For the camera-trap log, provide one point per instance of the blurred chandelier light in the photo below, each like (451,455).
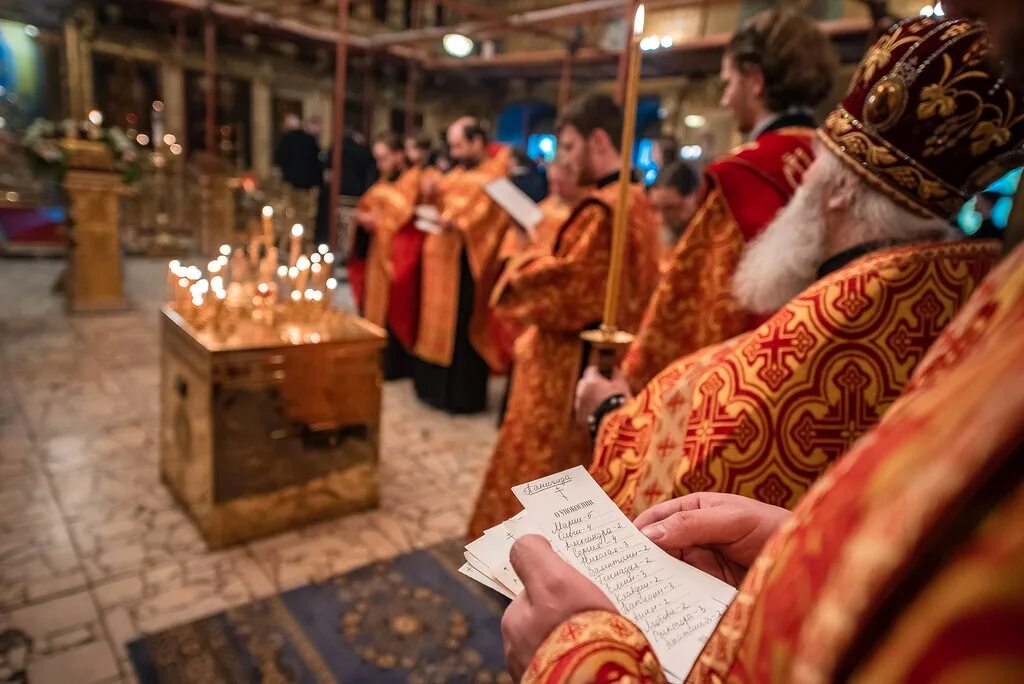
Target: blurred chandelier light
(652,43)
(695,121)
(457,45)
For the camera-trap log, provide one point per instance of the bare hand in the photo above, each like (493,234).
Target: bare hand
(720,534)
(554,593)
(594,389)
(365,220)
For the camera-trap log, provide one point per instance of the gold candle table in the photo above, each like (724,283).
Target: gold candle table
(268,428)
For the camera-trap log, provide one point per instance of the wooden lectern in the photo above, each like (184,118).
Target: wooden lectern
(95,275)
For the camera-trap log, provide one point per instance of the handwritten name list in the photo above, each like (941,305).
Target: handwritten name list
(675,605)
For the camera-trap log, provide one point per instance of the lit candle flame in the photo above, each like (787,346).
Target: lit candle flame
(315,268)
(302,263)
(225,250)
(332,283)
(213,267)
(296,295)
(174,266)
(293,272)
(315,258)
(282,271)
(222,260)
(638,20)
(328,258)
(322,249)
(268,211)
(298,230)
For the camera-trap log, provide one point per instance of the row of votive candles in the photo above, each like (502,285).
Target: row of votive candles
(307,280)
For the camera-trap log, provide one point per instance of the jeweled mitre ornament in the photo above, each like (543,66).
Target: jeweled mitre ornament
(929,120)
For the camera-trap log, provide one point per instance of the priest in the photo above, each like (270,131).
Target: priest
(674,197)
(384,267)
(456,345)
(557,294)
(775,69)
(764,414)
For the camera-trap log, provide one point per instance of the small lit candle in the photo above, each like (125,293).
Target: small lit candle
(172,278)
(303,275)
(323,249)
(225,250)
(296,244)
(282,271)
(296,295)
(212,269)
(95,121)
(268,226)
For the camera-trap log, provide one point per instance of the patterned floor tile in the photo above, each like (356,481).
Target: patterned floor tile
(94,551)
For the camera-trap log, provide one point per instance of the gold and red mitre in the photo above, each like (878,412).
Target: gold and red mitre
(928,120)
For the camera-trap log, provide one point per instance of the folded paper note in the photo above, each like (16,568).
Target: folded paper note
(674,604)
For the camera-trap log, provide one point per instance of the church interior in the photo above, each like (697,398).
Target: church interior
(225,456)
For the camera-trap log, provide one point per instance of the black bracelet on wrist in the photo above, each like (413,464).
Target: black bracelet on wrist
(609,405)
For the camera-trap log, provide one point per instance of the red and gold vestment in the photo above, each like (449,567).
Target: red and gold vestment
(764,414)
(556,296)
(390,296)
(693,305)
(479,230)
(904,561)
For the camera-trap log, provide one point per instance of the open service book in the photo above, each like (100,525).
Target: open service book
(674,604)
(516,203)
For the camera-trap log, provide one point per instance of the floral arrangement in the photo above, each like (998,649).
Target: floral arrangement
(42,141)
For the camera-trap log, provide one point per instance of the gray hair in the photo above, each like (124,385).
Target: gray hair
(784,260)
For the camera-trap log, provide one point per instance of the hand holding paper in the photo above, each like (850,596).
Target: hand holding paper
(674,604)
(555,591)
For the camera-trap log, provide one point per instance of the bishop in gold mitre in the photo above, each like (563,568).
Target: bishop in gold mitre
(903,562)
(558,293)
(863,274)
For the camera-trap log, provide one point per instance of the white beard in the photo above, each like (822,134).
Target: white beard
(781,262)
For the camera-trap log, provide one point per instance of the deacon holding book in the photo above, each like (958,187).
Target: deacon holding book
(456,347)
(903,562)
(556,295)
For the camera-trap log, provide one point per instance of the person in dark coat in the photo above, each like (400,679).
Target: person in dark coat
(298,156)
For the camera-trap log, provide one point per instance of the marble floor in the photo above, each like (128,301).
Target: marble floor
(93,549)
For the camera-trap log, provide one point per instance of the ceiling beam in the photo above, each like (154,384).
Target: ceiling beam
(480,12)
(523,21)
(263,20)
(835,28)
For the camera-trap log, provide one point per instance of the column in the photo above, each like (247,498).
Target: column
(172,92)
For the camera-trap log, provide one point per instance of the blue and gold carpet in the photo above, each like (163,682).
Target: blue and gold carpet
(411,619)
